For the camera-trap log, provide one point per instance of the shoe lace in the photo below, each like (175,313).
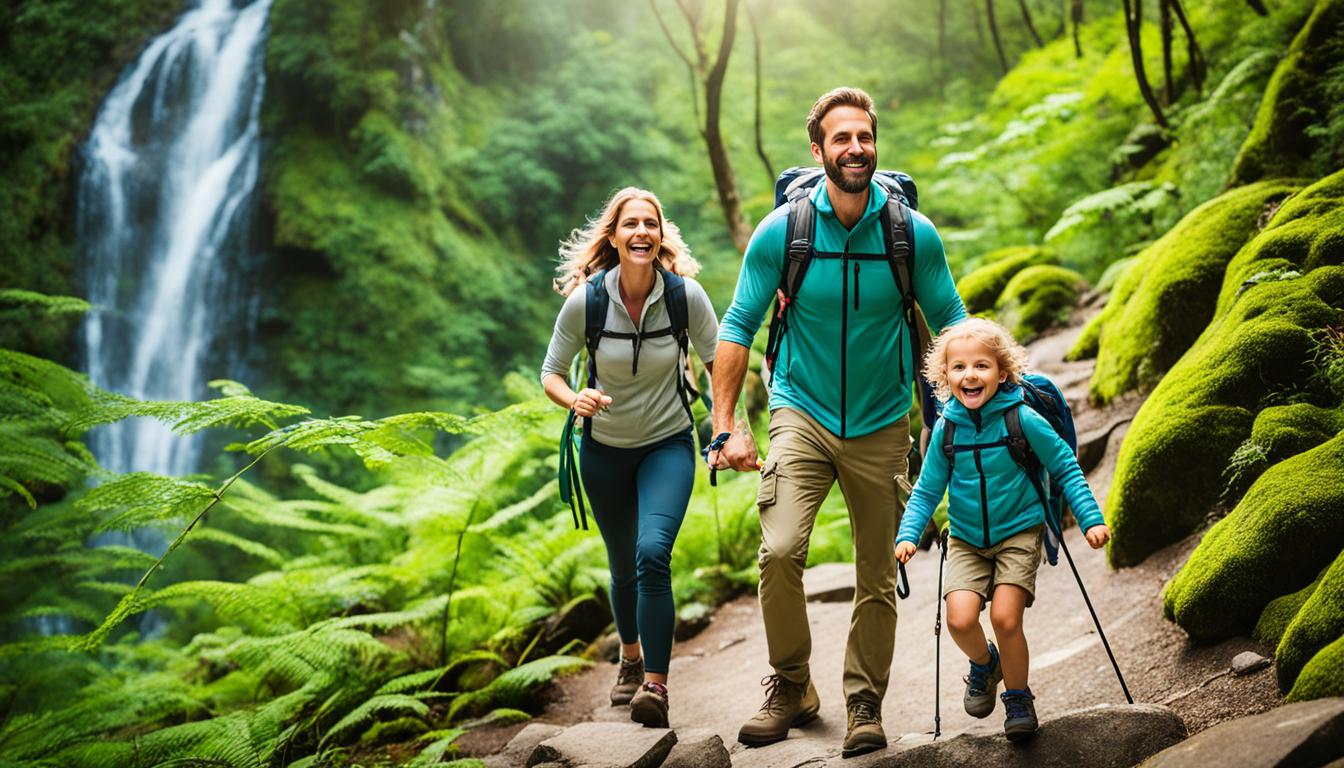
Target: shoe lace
(774,695)
(864,713)
(631,672)
(1015,707)
(977,682)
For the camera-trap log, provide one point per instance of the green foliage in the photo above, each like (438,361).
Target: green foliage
(1160,307)
(1286,529)
(1279,613)
(980,289)
(1098,229)
(1038,298)
(515,687)
(1299,130)
(1322,676)
(1320,622)
(1278,432)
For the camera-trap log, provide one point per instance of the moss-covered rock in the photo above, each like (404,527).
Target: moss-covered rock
(1299,129)
(1168,474)
(1161,305)
(1037,298)
(1319,623)
(1322,676)
(1289,526)
(980,288)
(1279,432)
(1280,612)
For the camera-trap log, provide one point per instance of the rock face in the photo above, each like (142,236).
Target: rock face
(606,745)
(1301,735)
(700,748)
(1098,737)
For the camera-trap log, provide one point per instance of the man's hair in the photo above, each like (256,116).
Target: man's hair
(839,97)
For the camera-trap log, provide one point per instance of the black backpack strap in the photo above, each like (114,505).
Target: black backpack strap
(678,315)
(949,436)
(797,258)
(898,237)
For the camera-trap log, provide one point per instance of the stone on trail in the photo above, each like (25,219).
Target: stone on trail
(698,748)
(1246,662)
(829,583)
(520,747)
(1302,735)
(606,745)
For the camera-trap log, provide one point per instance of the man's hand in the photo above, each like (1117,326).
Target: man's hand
(1097,536)
(738,453)
(904,551)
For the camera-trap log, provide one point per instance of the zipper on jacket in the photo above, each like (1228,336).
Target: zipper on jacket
(844,329)
(984,496)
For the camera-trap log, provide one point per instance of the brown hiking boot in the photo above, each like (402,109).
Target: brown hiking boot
(628,680)
(864,732)
(649,706)
(786,705)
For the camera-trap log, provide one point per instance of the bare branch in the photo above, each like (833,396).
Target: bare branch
(690,67)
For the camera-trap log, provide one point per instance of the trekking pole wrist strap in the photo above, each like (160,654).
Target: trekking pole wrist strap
(716,444)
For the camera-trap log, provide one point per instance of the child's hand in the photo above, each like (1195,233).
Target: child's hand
(1098,535)
(904,551)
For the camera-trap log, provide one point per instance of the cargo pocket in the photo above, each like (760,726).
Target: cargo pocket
(765,496)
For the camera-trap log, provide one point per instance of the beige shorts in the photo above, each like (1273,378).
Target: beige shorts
(1014,560)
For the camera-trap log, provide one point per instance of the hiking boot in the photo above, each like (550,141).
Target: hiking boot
(628,680)
(982,684)
(786,705)
(649,705)
(864,732)
(1020,723)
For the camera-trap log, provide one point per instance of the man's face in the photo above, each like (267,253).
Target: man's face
(849,151)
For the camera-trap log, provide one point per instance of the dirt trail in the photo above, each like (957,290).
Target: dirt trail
(715,677)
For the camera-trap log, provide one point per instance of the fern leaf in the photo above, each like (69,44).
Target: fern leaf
(376,708)
(513,512)
(440,743)
(515,688)
(141,499)
(247,546)
(423,611)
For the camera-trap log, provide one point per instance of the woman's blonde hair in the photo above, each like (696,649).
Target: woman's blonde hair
(1011,356)
(588,250)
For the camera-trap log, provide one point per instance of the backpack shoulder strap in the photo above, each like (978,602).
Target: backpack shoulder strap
(1018,446)
(674,295)
(798,254)
(949,438)
(595,319)
(898,237)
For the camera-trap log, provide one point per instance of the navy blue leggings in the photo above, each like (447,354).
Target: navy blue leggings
(639,498)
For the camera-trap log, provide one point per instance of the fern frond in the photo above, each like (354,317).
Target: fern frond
(54,305)
(414,682)
(141,499)
(422,611)
(439,744)
(82,562)
(244,545)
(250,603)
(238,411)
(516,687)
(503,517)
(376,708)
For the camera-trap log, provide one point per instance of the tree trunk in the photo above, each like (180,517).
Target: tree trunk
(1258,6)
(756,54)
(1197,64)
(1077,13)
(1168,87)
(1026,17)
(1133,26)
(994,30)
(724,178)
(942,43)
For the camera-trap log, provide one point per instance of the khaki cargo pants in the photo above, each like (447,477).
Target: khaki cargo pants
(804,461)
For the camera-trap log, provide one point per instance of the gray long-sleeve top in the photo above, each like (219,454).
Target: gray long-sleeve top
(645,407)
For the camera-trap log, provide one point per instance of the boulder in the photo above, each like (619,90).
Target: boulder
(582,619)
(829,583)
(1098,737)
(698,748)
(1037,298)
(520,747)
(1306,734)
(980,288)
(606,745)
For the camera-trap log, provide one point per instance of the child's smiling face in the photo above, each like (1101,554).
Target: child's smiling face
(973,372)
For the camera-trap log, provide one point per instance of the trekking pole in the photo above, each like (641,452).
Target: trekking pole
(938,637)
(1064,546)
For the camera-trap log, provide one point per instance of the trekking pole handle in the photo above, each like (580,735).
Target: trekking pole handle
(716,444)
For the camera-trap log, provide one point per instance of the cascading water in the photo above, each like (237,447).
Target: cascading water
(165,224)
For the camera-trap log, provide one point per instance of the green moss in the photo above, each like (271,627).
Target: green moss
(1299,129)
(1320,621)
(981,288)
(1168,473)
(1279,613)
(1088,342)
(1306,232)
(1160,306)
(1279,432)
(1037,298)
(1289,527)
(1322,676)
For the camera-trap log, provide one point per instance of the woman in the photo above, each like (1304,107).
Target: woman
(637,455)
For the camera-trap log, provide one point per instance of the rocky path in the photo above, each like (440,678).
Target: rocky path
(715,676)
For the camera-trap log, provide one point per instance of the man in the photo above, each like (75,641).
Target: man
(839,410)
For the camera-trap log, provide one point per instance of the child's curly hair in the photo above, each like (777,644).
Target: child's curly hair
(1011,356)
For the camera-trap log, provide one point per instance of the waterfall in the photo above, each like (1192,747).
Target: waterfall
(164,224)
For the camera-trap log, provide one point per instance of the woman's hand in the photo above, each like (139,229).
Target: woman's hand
(1097,536)
(588,402)
(904,551)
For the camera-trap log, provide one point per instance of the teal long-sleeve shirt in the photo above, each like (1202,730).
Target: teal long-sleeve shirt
(990,497)
(846,358)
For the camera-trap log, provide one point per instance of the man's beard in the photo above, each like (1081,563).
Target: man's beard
(846,184)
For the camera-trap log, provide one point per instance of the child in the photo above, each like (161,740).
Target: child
(995,515)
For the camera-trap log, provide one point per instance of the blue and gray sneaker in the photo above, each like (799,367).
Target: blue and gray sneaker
(981,685)
(1020,723)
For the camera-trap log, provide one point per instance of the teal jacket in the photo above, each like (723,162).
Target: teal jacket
(990,497)
(845,360)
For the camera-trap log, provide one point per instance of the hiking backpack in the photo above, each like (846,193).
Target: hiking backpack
(596,302)
(898,235)
(1041,395)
